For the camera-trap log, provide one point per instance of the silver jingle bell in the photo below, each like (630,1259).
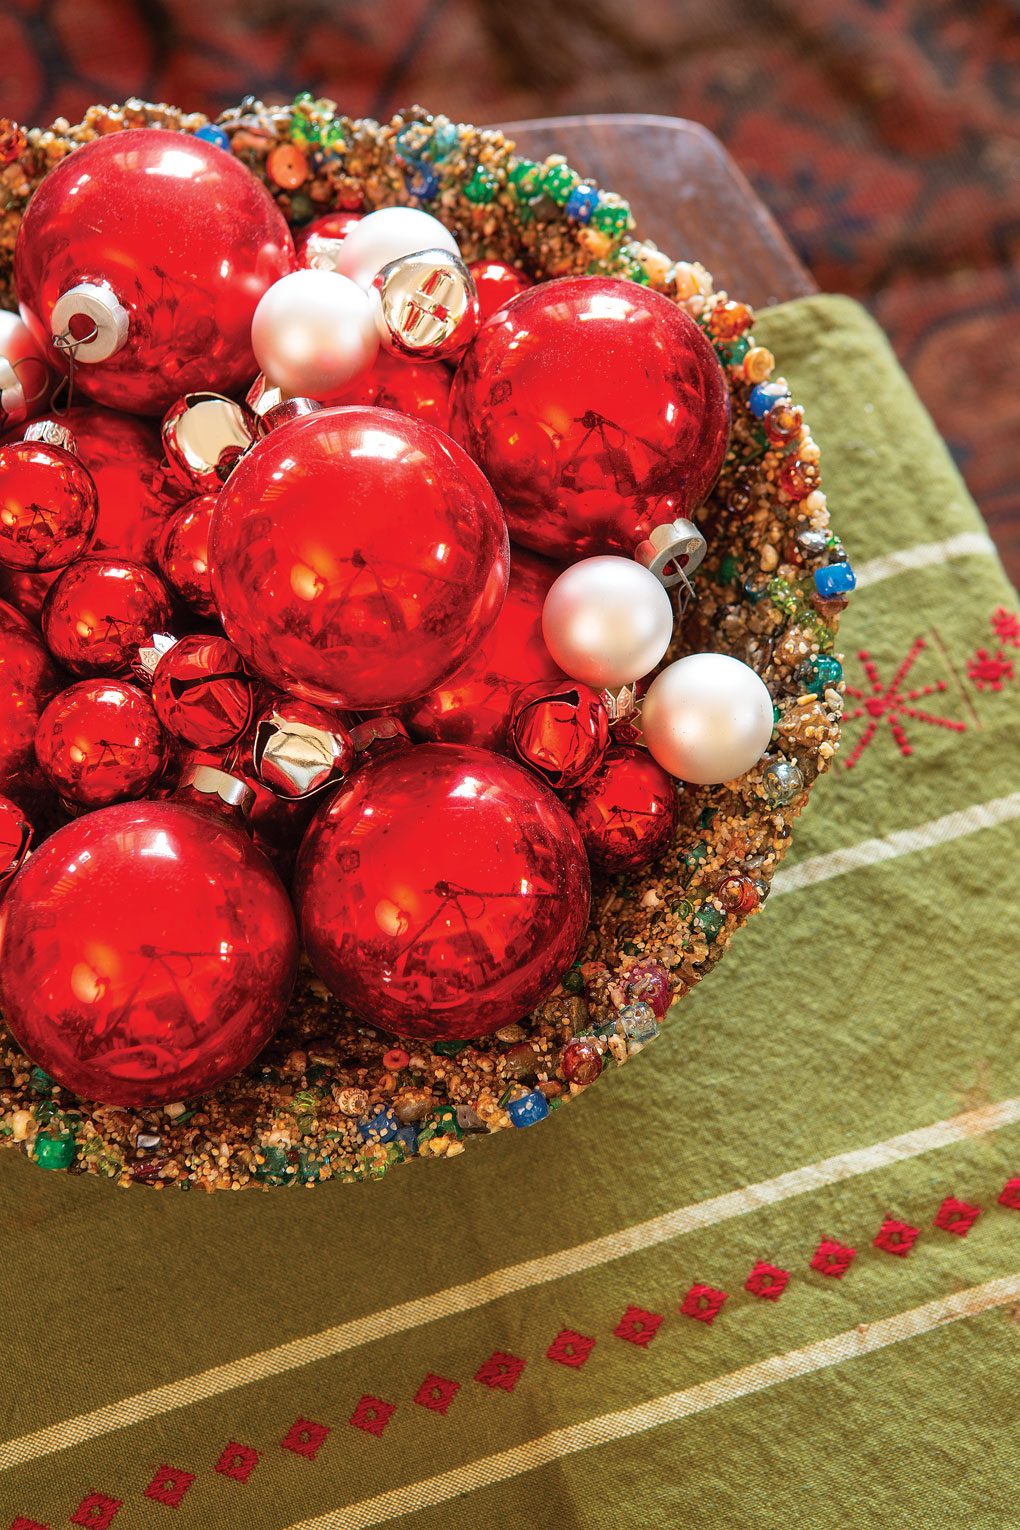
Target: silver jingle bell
(204,437)
(299,750)
(425,306)
(673,551)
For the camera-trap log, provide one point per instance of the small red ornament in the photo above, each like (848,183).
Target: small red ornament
(48,507)
(299,750)
(147,952)
(100,742)
(417,388)
(581,1060)
(202,692)
(627,811)
(145,254)
(100,611)
(497,284)
(358,557)
(318,242)
(28,678)
(584,402)
(27,592)
(15,838)
(559,730)
(473,706)
(442,891)
(183,555)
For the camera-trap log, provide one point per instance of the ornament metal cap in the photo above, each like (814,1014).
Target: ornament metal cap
(102,326)
(51,434)
(143,665)
(219,787)
(673,550)
(284,410)
(425,306)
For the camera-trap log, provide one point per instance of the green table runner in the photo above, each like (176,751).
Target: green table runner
(646,1311)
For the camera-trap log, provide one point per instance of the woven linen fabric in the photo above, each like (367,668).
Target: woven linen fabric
(768,1274)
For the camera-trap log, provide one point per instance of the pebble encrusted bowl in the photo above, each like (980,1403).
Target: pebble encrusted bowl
(330,1097)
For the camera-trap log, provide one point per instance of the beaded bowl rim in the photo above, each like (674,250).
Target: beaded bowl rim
(330,1097)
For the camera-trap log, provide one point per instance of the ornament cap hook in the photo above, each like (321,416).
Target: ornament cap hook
(93,303)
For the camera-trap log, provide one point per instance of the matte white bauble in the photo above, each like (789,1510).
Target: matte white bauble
(707,718)
(390,234)
(607,621)
(313,333)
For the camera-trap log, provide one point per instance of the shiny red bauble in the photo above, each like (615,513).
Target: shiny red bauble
(100,742)
(627,811)
(473,706)
(318,242)
(48,507)
(358,557)
(101,611)
(27,592)
(497,284)
(15,838)
(559,730)
(147,952)
(585,402)
(442,892)
(183,554)
(299,750)
(202,692)
(418,388)
(28,678)
(180,236)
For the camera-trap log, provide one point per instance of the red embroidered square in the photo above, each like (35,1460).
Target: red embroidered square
(169,1486)
(304,1438)
(570,1348)
(767,1281)
(638,1326)
(238,1462)
(501,1371)
(832,1258)
(956,1216)
(21,1523)
(896,1237)
(96,1511)
(1011,1194)
(437,1393)
(372,1414)
(703,1302)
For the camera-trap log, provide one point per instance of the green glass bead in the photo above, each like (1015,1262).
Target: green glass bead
(309,1167)
(573,981)
(558,181)
(612,218)
(632,270)
(733,352)
(445,1122)
(304,1101)
(40,1081)
(818,674)
(305,1125)
(683,908)
(482,186)
(709,921)
(44,1113)
(449,1048)
(707,815)
(525,176)
(697,855)
(273,1169)
(729,568)
(445,139)
(783,595)
(55,1152)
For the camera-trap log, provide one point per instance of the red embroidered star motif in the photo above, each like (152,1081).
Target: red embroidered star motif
(238,1462)
(767,1281)
(888,701)
(570,1348)
(1006,626)
(437,1393)
(169,1486)
(501,1370)
(832,1258)
(304,1438)
(988,670)
(1011,1194)
(703,1302)
(21,1523)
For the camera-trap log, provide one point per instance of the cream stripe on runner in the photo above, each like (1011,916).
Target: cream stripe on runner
(819,868)
(513,1278)
(849,1345)
(925,554)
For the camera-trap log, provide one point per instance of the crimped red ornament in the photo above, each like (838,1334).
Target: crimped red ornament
(202,692)
(299,750)
(561,731)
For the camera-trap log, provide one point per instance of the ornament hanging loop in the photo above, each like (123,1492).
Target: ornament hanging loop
(672,552)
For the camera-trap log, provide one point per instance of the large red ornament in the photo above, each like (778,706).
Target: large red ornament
(100,742)
(442,892)
(48,507)
(167,243)
(358,557)
(100,611)
(15,838)
(627,812)
(497,284)
(560,730)
(473,706)
(27,592)
(202,692)
(147,952)
(28,678)
(418,388)
(183,555)
(587,401)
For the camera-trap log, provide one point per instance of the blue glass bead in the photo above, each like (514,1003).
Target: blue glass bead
(581,203)
(763,396)
(821,672)
(407,1136)
(445,139)
(639,1022)
(382,1127)
(781,781)
(834,579)
(420,181)
(528,1109)
(213,134)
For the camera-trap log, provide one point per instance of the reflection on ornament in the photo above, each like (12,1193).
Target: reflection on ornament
(425,306)
(203,436)
(299,750)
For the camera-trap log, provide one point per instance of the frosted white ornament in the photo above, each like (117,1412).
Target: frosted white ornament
(313,333)
(387,235)
(607,621)
(707,718)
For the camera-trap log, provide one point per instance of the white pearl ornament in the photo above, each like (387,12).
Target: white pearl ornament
(313,333)
(707,718)
(607,621)
(390,234)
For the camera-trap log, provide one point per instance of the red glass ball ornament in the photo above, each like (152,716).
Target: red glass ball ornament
(100,742)
(183,555)
(298,750)
(48,507)
(559,730)
(178,239)
(442,892)
(202,692)
(27,592)
(417,388)
(318,242)
(28,679)
(497,284)
(100,611)
(627,812)
(147,952)
(358,557)
(581,1060)
(584,402)
(26,378)
(473,706)
(15,838)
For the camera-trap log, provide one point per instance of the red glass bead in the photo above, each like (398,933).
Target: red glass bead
(648,982)
(395,1059)
(100,611)
(442,891)
(783,422)
(48,507)
(15,838)
(729,320)
(184,553)
(100,742)
(28,679)
(738,894)
(318,241)
(147,952)
(559,730)
(497,284)
(585,400)
(287,167)
(202,692)
(797,478)
(581,1061)
(627,811)
(185,237)
(299,750)
(417,388)
(358,557)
